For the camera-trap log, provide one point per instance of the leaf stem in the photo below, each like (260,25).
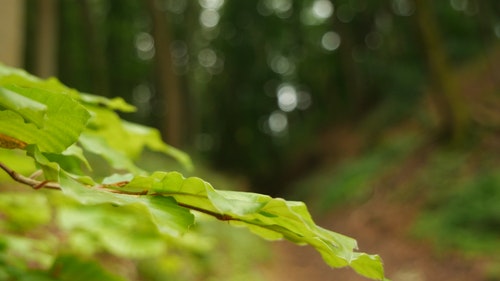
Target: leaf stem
(219,216)
(35,184)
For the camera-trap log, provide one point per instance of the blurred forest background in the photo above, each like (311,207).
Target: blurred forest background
(387,112)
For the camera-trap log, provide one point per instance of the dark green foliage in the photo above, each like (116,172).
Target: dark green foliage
(378,64)
(468,218)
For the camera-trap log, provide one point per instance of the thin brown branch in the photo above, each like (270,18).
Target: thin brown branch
(36,174)
(222,217)
(36,184)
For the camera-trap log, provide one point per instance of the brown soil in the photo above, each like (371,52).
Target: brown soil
(379,228)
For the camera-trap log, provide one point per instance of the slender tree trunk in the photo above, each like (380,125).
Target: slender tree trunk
(11,32)
(168,81)
(46,39)
(352,76)
(454,113)
(95,47)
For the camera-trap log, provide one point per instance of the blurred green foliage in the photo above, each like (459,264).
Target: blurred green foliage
(45,230)
(362,63)
(353,180)
(467,215)
(260,79)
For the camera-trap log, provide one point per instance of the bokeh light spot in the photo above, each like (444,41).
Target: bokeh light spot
(207,58)
(144,44)
(304,100)
(278,122)
(403,7)
(287,97)
(209,18)
(211,4)
(330,41)
(322,9)
(281,64)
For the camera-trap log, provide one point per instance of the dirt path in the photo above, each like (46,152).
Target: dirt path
(380,225)
(382,229)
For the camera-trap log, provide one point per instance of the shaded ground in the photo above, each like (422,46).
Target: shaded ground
(381,225)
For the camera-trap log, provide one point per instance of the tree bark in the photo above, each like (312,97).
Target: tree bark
(11,32)
(168,81)
(455,120)
(46,39)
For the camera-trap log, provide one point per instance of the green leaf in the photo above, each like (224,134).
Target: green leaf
(71,159)
(98,227)
(117,159)
(367,265)
(169,217)
(150,138)
(31,111)
(51,119)
(121,142)
(271,218)
(114,104)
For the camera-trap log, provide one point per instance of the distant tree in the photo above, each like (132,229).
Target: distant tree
(11,32)
(169,87)
(454,115)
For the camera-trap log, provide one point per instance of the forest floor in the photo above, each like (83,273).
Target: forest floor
(382,225)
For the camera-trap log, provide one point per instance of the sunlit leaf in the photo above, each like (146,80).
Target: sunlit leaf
(271,218)
(114,104)
(43,115)
(169,216)
(31,110)
(150,138)
(109,227)
(121,142)
(98,145)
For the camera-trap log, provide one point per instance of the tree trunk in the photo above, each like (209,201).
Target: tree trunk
(168,81)
(11,32)
(451,105)
(46,39)
(95,47)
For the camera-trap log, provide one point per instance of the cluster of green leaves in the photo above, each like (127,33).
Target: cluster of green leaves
(58,127)
(38,228)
